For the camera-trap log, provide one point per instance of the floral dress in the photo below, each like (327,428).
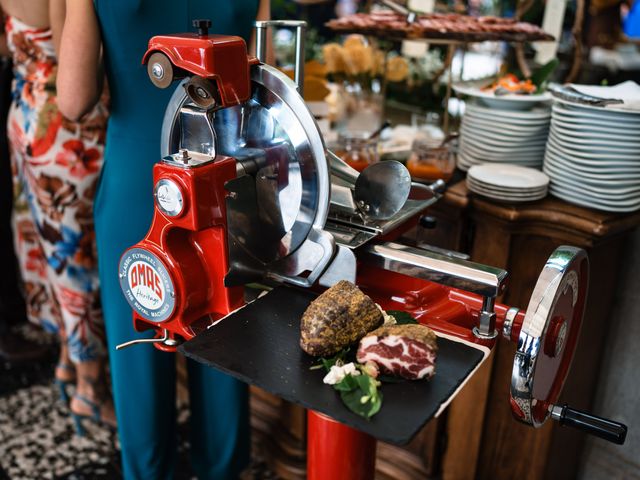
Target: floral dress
(55,164)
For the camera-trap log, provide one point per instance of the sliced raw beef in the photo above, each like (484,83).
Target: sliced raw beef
(407,351)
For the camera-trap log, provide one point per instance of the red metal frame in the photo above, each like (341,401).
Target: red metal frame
(221,58)
(193,248)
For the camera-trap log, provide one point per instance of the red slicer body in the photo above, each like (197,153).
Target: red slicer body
(178,285)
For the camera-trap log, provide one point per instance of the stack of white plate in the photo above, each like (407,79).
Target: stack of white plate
(507,183)
(593,156)
(491,135)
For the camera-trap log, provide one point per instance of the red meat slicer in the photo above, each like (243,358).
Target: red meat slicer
(246,191)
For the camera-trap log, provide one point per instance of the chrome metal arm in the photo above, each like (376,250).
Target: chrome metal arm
(261,44)
(341,169)
(170,342)
(446,270)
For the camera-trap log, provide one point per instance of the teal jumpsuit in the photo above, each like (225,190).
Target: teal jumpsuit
(144,378)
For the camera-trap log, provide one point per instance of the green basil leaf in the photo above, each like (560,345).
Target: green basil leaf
(329,362)
(402,318)
(365,383)
(353,402)
(348,383)
(375,404)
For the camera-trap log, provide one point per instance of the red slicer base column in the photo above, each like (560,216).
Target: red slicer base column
(338,452)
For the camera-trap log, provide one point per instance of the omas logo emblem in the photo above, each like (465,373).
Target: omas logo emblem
(146,285)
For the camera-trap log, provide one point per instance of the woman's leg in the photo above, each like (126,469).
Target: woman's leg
(220,440)
(143,378)
(30,254)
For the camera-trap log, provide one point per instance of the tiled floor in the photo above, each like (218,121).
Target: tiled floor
(37,439)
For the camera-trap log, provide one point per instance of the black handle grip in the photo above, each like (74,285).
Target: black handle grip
(609,430)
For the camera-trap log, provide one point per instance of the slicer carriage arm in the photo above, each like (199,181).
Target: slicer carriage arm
(488,282)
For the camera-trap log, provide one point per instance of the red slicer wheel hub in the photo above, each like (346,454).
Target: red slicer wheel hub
(549,335)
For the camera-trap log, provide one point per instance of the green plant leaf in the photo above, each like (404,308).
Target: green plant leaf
(375,404)
(542,74)
(366,384)
(329,362)
(402,318)
(348,383)
(353,400)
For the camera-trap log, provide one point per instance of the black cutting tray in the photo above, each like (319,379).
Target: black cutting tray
(259,344)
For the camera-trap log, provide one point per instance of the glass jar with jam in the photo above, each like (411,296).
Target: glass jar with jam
(357,149)
(430,160)
(431,163)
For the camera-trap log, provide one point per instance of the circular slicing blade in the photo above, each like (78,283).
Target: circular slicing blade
(549,335)
(288,193)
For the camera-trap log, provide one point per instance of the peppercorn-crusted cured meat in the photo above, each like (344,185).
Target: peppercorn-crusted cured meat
(336,319)
(407,351)
(451,26)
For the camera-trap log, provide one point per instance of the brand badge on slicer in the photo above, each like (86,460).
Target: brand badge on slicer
(146,285)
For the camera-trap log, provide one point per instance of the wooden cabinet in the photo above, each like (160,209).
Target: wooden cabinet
(477,437)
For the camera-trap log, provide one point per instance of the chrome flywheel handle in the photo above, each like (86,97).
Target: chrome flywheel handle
(549,335)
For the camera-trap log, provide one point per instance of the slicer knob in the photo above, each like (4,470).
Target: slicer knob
(203,25)
(428,222)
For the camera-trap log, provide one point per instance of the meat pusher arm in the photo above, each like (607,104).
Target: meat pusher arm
(436,267)
(489,282)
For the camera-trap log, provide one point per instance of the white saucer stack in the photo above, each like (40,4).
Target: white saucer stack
(507,183)
(491,135)
(593,156)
